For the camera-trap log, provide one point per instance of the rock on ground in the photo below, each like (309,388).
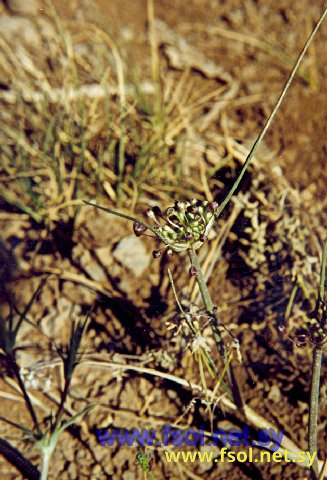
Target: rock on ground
(131,253)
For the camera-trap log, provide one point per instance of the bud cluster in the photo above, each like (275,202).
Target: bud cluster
(185,225)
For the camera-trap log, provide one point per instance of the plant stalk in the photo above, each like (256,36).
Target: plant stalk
(314,408)
(315,374)
(46,456)
(206,297)
(60,411)
(190,325)
(271,117)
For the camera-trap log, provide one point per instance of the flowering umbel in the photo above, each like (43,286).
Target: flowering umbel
(185,225)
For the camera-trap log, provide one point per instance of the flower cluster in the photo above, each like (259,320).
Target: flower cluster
(185,225)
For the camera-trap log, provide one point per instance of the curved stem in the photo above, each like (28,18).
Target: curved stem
(271,117)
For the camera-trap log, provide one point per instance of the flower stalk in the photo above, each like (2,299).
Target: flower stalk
(208,303)
(318,337)
(204,352)
(186,227)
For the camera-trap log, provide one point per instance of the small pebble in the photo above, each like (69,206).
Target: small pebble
(131,253)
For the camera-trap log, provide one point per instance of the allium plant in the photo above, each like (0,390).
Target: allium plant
(186,226)
(43,438)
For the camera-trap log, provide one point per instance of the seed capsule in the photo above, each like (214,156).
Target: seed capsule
(192,209)
(150,214)
(139,229)
(156,210)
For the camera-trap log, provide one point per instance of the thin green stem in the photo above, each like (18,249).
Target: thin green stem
(127,217)
(290,302)
(46,456)
(121,163)
(56,423)
(315,375)
(118,214)
(172,283)
(189,323)
(206,297)
(271,117)
(314,407)
(207,301)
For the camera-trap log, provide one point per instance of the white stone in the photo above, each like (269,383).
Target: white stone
(131,253)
